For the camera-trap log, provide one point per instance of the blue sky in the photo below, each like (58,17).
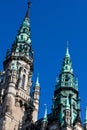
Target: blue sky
(52,24)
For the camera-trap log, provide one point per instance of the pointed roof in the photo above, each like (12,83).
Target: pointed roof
(26,21)
(28,10)
(37,81)
(67,64)
(45,114)
(85,122)
(23,37)
(67,50)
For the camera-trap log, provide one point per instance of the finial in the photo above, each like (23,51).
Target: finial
(29,4)
(37,81)
(86,116)
(28,10)
(67,49)
(45,113)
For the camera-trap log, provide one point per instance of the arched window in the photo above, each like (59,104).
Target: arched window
(23,81)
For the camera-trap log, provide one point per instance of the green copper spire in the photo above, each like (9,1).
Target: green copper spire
(37,81)
(67,64)
(67,103)
(67,51)
(66,85)
(22,43)
(85,122)
(45,114)
(24,31)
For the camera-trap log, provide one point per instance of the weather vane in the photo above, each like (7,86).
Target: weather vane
(29,3)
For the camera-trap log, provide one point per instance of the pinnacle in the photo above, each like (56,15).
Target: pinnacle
(45,113)
(86,116)
(37,81)
(28,10)
(67,50)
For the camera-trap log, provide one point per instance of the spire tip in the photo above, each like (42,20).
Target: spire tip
(29,4)
(37,81)
(67,49)
(28,10)
(45,113)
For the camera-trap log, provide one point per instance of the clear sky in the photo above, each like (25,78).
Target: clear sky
(52,24)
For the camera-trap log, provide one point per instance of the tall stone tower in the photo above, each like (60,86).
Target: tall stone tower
(16,100)
(66,86)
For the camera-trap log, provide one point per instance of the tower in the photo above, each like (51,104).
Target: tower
(17,104)
(36,97)
(66,86)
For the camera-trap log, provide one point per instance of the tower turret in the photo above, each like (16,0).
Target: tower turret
(66,86)
(18,68)
(36,97)
(45,120)
(85,121)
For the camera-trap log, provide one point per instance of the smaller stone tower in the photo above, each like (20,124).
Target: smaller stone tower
(36,97)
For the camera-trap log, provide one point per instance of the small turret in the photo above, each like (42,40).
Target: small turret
(37,84)
(44,121)
(36,97)
(85,121)
(45,114)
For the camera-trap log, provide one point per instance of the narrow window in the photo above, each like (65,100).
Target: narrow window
(23,81)
(21,37)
